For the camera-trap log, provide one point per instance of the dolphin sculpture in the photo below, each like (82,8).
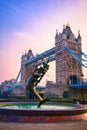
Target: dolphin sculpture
(34,79)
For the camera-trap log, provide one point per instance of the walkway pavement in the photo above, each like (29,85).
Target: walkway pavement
(77,125)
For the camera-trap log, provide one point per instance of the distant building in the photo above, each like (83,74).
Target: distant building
(9,88)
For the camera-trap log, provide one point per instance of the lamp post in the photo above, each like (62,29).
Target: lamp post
(82,90)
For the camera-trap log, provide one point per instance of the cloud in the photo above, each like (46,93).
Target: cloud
(22,34)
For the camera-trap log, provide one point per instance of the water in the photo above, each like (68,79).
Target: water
(30,106)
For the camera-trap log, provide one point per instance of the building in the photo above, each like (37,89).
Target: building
(68,71)
(8,88)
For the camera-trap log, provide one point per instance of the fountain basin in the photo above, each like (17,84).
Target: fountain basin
(28,112)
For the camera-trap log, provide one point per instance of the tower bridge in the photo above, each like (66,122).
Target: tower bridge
(67,54)
(69,59)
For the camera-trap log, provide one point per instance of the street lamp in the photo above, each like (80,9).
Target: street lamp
(82,90)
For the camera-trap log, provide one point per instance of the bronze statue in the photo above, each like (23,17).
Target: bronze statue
(34,79)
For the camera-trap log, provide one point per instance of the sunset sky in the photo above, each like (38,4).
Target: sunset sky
(32,24)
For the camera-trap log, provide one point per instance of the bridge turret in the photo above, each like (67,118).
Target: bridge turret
(64,32)
(30,54)
(79,37)
(68,31)
(56,36)
(79,42)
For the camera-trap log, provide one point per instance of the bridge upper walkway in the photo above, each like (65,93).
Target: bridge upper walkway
(50,55)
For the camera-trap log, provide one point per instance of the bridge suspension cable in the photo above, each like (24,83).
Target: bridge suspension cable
(76,57)
(14,83)
(17,77)
(85,55)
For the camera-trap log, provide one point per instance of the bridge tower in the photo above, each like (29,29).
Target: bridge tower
(68,71)
(26,70)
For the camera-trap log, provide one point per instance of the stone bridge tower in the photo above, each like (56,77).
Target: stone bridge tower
(68,71)
(26,70)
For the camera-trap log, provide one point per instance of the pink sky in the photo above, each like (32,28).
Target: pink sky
(32,25)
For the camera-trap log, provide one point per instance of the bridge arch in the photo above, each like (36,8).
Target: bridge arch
(73,79)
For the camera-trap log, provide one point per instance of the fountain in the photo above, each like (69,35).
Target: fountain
(42,112)
(47,113)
